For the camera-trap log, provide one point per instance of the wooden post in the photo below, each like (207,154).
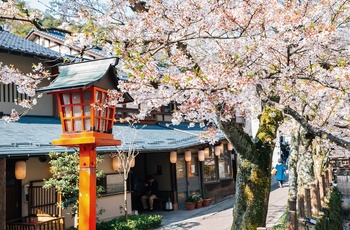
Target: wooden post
(330,173)
(317,185)
(3,193)
(292,223)
(301,208)
(326,177)
(292,205)
(314,203)
(87,187)
(308,202)
(301,211)
(322,188)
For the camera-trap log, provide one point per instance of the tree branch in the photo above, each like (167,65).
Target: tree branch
(36,23)
(309,128)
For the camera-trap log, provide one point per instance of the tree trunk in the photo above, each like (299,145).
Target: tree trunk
(254,167)
(305,161)
(252,195)
(125,198)
(292,170)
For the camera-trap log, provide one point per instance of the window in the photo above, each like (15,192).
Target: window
(112,183)
(8,93)
(209,168)
(169,108)
(192,167)
(224,165)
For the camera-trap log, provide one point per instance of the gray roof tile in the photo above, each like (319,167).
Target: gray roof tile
(60,36)
(32,136)
(13,43)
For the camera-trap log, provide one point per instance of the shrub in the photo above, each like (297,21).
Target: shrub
(333,217)
(134,222)
(194,197)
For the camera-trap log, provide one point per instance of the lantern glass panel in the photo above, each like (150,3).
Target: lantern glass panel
(76,98)
(77,125)
(68,125)
(65,98)
(66,111)
(87,123)
(103,120)
(77,111)
(97,96)
(97,120)
(86,96)
(103,97)
(87,109)
(103,127)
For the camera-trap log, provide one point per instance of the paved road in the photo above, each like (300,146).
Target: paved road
(219,216)
(200,219)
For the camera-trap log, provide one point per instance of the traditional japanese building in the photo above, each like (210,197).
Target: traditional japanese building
(30,141)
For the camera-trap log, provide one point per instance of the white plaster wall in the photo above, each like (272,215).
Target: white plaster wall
(37,170)
(110,204)
(44,105)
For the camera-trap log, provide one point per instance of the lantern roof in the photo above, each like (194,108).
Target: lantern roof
(84,74)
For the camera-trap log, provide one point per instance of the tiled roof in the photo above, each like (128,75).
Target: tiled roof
(60,36)
(82,74)
(32,136)
(15,44)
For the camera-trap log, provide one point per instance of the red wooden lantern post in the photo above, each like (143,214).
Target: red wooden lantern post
(87,122)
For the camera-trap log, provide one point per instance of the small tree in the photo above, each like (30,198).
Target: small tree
(65,178)
(125,156)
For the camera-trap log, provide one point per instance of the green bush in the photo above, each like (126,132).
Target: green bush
(134,222)
(335,209)
(281,223)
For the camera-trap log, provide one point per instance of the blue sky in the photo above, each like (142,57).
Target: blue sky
(37,4)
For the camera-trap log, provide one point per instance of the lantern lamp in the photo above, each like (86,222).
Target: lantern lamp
(221,147)
(217,150)
(82,96)
(132,162)
(173,157)
(115,163)
(188,155)
(229,146)
(201,155)
(20,170)
(87,121)
(206,152)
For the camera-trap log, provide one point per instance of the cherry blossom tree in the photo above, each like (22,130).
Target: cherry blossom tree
(218,59)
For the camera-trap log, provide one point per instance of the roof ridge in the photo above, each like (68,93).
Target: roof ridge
(179,130)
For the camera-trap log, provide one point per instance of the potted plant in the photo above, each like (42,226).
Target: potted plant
(190,203)
(197,196)
(206,199)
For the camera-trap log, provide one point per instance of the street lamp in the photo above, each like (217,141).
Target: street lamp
(87,122)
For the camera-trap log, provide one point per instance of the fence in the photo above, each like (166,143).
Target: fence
(309,203)
(36,223)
